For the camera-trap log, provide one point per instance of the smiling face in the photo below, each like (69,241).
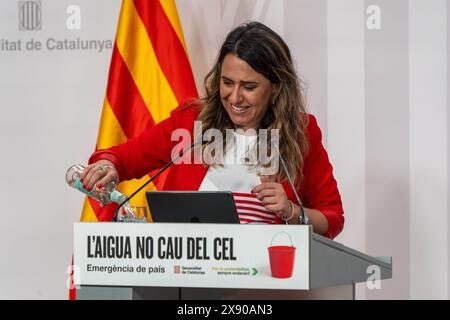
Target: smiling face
(245,93)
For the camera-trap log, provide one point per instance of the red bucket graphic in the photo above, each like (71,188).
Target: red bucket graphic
(281,259)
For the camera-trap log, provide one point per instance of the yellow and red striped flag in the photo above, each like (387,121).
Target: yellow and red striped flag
(149,76)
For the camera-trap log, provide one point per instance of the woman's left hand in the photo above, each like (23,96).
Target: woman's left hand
(273,196)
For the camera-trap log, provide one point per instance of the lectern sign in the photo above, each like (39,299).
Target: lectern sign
(192,255)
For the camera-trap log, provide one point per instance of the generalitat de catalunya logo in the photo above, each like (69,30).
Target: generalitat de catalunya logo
(30,15)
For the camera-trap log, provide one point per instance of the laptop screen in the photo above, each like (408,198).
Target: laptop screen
(192,206)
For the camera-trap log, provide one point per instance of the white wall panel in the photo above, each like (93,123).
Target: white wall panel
(428,149)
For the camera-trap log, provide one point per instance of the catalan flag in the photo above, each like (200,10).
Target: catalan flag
(149,76)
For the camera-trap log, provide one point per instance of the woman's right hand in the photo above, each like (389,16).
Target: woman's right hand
(99,173)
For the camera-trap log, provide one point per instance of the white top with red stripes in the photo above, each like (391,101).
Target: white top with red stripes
(240,179)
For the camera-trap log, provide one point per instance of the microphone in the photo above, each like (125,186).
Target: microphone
(153,178)
(288,176)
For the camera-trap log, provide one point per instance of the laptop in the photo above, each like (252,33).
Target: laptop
(192,206)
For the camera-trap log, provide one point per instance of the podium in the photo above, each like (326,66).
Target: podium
(216,261)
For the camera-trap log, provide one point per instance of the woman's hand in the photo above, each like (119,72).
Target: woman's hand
(273,196)
(275,199)
(99,173)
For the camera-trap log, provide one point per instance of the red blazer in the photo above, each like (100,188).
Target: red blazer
(152,150)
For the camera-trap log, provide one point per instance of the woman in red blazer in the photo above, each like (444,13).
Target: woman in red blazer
(253,85)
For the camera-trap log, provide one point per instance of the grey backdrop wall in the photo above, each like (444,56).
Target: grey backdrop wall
(376,76)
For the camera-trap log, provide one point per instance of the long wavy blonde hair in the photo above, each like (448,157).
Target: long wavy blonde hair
(267,53)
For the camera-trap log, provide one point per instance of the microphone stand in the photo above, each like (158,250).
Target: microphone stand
(288,176)
(151,179)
